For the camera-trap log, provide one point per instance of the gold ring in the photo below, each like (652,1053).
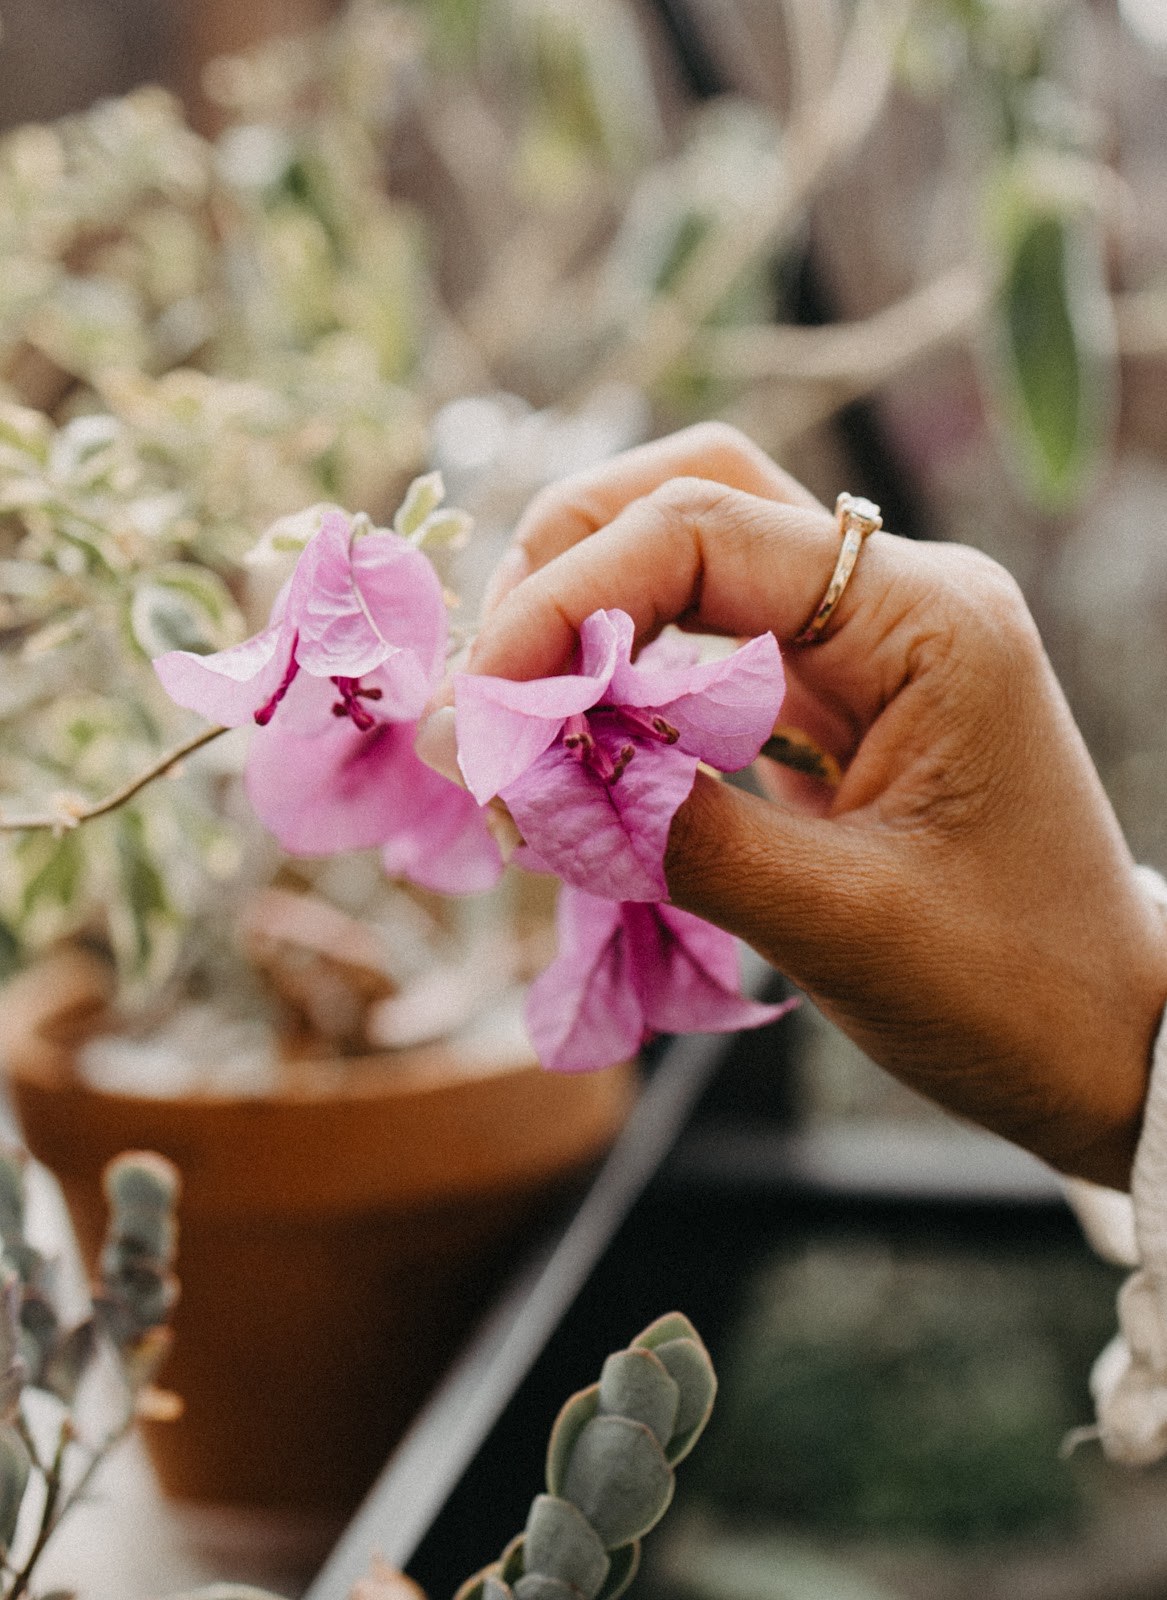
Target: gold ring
(856,518)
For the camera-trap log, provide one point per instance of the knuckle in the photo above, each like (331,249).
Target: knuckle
(547,505)
(717,441)
(987,605)
(687,496)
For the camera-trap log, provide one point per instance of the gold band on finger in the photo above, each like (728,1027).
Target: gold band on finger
(856,518)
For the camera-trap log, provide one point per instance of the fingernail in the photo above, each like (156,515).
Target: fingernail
(436,744)
(509,573)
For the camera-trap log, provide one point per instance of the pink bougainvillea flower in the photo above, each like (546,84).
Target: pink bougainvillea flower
(627,971)
(336,683)
(365,615)
(343,787)
(594,764)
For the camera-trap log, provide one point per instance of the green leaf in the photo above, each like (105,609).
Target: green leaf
(673,1325)
(58,877)
(66,1365)
(512,1562)
(538,1586)
(623,1563)
(293,532)
(141,1181)
(143,886)
(619,1479)
(15,1467)
(422,498)
(633,1383)
(24,433)
(688,1363)
(1055,369)
(10,953)
(182,607)
(560,1543)
(444,529)
(12,1166)
(574,1415)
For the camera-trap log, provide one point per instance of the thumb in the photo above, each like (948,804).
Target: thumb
(787,882)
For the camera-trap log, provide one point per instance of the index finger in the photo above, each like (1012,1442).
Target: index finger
(575,508)
(693,552)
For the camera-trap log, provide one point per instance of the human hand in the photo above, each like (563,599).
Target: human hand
(963,905)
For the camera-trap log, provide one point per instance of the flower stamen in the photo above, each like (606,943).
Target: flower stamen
(351,694)
(267,711)
(645,725)
(580,743)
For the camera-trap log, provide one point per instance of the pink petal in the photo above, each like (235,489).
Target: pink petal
(230,686)
(405,687)
(687,974)
(606,838)
(443,843)
(583,1012)
(502,727)
(332,790)
(403,595)
(723,710)
(346,632)
(605,641)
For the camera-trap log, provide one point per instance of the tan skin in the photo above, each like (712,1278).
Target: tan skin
(963,905)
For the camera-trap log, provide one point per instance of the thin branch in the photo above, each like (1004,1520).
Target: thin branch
(50,1515)
(851,353)
(816,141)
(813,29)
(72,810)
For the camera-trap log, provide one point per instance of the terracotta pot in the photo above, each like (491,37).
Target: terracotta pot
(336,1240)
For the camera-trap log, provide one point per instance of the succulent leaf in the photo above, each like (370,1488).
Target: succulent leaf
(141,1178)
(471,1588)
(138,1288)
(12,1164)
(13,1369)
(623,1564)
(494,1588)
(538,1586)
(66,1364)
(618,1477)
(560,1543)
(512,1562)
(573,1417)
(14,1470)
(688,1363)
(634,1383)
(673,1325)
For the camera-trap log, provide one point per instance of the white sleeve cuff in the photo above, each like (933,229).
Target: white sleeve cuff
(1129,1380)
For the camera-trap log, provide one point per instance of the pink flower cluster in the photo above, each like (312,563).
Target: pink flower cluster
(336,682)
(592,765)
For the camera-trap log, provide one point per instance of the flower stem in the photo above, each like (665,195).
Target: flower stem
(71,811)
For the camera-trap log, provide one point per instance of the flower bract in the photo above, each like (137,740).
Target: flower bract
(626,971)
(593,764)
(336,683)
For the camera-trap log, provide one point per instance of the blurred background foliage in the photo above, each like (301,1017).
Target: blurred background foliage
(911,245)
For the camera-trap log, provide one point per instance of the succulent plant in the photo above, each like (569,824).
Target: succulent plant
(132,1301)
(610,1465)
